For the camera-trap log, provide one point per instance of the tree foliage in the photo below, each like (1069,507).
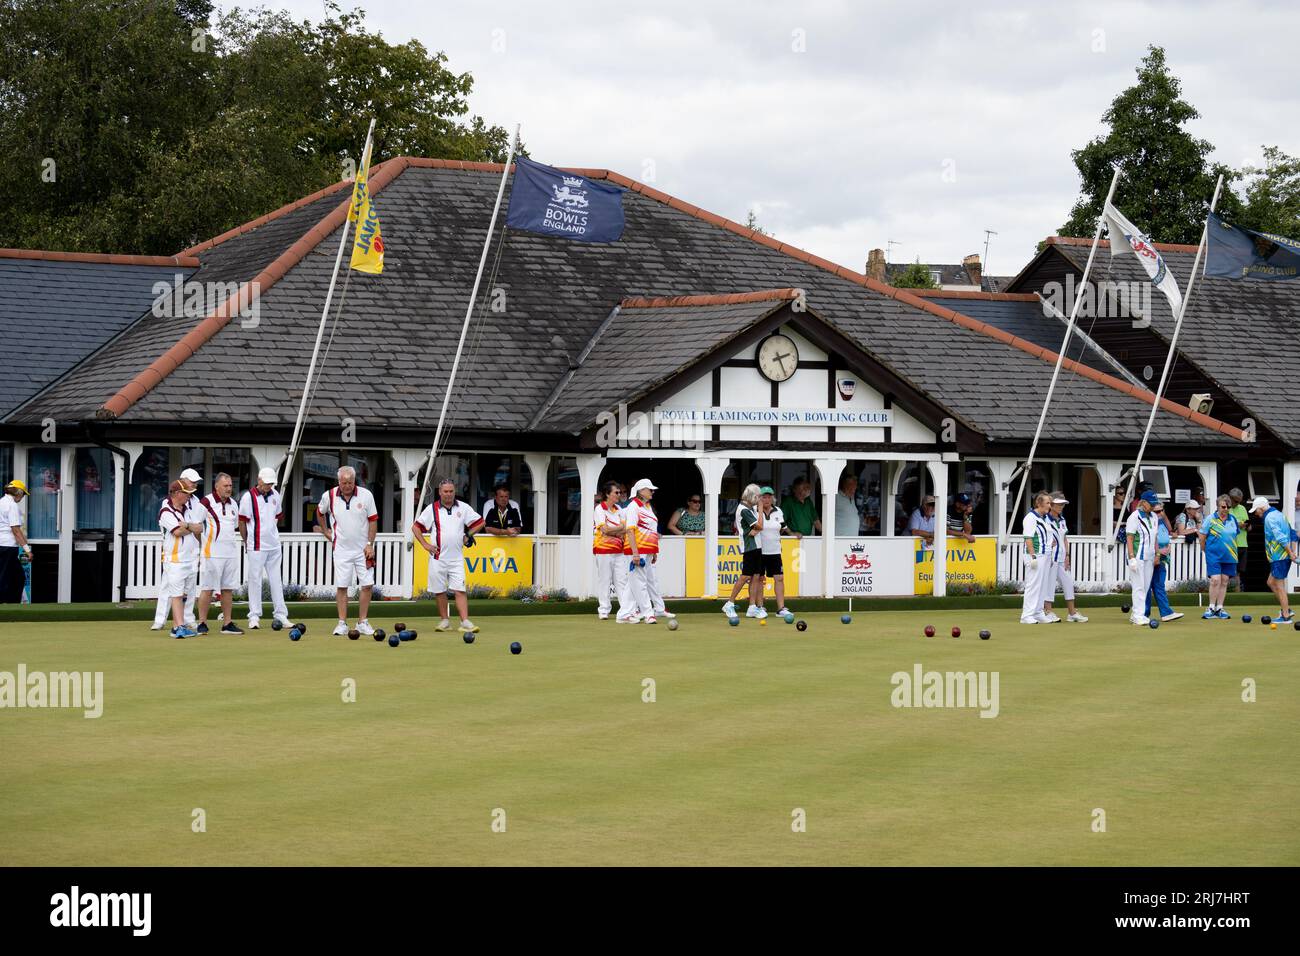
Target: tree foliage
(915,276)
(146,125)
(1166,180)
(1272,194)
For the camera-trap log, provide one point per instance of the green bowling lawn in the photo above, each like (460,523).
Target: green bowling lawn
(749,726)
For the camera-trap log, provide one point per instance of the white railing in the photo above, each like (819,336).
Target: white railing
(1090,557)
(307,563)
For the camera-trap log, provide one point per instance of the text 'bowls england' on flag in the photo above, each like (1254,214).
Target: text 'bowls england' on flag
(1236,253)
(368,246)
(555,203)
(1123,234)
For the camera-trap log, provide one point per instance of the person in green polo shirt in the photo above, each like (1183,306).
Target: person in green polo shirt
(1242,516)
(800,509)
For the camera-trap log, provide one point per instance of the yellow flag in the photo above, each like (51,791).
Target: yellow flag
(368,247)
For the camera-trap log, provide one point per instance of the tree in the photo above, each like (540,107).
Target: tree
(1166,179)
(164,129)
(915,276)
(751,221)
(1272,195)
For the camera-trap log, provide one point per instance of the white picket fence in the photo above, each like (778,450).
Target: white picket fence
(559,561)
(1090,557)
(307,563)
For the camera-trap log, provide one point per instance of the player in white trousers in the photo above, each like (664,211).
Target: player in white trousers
(1038,563)
(1060,573)
(189,479)
(609,525)
(1140,547)
(642,550)
(259,516)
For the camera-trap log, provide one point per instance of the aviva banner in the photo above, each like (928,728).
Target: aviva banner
(498,562)
(969,562)
(729,559)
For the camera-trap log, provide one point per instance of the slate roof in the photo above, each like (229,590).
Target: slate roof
(393,346)
(59,311)
(650,346)
(1257,321)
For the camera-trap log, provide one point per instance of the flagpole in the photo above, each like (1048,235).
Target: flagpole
(1069,331)
(469,312)
(298,424)
(1173,342)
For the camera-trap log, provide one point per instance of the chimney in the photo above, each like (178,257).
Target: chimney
(973,269)
(876,265)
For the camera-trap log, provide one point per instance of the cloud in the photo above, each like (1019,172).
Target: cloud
(844,145)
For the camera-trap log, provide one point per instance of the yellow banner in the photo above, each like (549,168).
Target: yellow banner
(368,246)
(729,560)
(968,562)
(496,560)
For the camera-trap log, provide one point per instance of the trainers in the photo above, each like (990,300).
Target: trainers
(630,619)
(602,615)
(155,626)
(201,629)
(1077,618)
(752,611)
(729,609)
(1029,620)
(762,613)
(1224,615)
(284,621)
(341,629)
(1289,619)
(1042,618)
(1053,618)
(650,619)
(664,612)
(468,627)
(782,612)
(179,632)
(1210,615)
(444,625)
(254,624)
(365,628)
(230,628)
(1141,620)
(1173,616)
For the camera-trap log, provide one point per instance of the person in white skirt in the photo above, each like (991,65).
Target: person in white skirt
(1037,532)
(1061,573)
(1140,548)
(609,527)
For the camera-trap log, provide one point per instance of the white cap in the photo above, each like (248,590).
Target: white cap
(1192,503)
(1060,501)
(192,476)
(267,475)
(1259,502)
(643,483)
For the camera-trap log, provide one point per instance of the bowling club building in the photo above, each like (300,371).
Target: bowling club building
(692,351)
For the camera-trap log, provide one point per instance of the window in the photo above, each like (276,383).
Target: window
(568,503)
(235,462)
(43,484)
(94,489)
(6,462)
(147,489)
(1158,475)
(1263,481)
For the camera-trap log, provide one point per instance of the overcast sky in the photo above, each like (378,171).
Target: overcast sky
(844,125)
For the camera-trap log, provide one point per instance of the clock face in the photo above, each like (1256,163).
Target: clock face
(777,358)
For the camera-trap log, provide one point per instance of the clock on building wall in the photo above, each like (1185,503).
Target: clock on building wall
(777,358)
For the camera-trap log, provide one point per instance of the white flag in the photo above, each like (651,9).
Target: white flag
(1122,233)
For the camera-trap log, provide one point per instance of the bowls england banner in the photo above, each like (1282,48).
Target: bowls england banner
(555,203)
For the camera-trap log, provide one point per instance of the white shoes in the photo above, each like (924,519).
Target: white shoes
(664,612)
(602,615)
(444,625)
(1052,618)
(650,619)
(468,627)
(1042,618)
(762,613)
(1141,621)
(752,611)
(1077,618)
(630,619)
(156,626)
(341,630)
(729,609)
(1172,617)
(365,628)
(1030,620)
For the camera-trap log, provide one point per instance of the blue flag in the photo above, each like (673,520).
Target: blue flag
(1237,253)
(555,203)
